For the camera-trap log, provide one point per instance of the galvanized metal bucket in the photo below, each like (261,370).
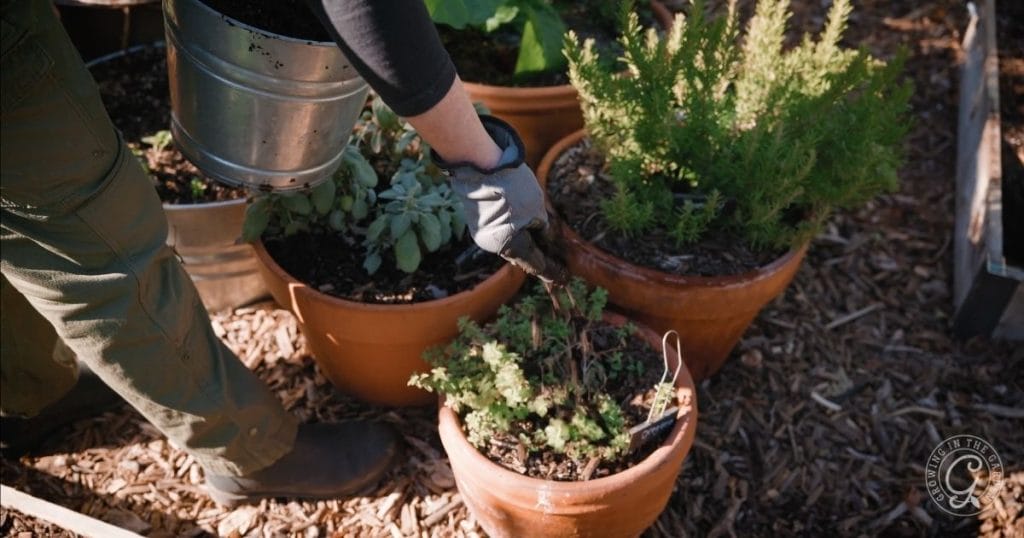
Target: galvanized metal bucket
(253,108)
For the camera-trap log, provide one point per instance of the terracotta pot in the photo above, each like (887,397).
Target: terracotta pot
(544,115)
(506,503)
(709,313)
(541,116)
(371,350)
(205,236)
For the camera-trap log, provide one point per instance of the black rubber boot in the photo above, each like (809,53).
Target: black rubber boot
(328,461)
(88,398)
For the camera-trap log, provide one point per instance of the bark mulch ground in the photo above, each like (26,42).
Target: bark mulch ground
(821,423)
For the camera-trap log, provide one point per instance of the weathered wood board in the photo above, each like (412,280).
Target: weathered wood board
(58,515)
(984,283)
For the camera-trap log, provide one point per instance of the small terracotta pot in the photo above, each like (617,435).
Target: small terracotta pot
(541,116)
(545,115)
(369,350)
(709,313)
(205,236)
(508,504)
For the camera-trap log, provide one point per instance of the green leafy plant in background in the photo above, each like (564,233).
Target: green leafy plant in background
(538,364)
(537,21)
(414,214)
(708,131)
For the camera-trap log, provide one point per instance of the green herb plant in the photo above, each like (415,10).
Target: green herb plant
(160,140)
(535,377)
(710,131)
(412,215)
(197,187)
(536,21)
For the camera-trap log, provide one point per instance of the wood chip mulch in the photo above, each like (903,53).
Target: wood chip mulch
(820,423)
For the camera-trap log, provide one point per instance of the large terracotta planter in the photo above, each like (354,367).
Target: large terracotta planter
(370,351)
(541,116)
(508,504)
(709,313)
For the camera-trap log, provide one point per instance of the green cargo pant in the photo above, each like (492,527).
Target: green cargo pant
(35,369)
(82,238)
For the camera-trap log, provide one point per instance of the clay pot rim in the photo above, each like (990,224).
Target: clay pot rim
(682,436)
(295,287)
(205,205)
(523,92)
(571,236)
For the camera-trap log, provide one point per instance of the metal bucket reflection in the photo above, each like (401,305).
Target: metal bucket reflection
(257,109)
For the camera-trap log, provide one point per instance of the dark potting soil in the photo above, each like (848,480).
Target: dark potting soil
(490,58)
(290,18)
(334,265)
(635,397)
(577,184)
(135,92)
(1010,40)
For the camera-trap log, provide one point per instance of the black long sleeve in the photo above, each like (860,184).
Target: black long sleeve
(394,46)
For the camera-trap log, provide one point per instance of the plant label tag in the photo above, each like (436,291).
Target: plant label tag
(641,434)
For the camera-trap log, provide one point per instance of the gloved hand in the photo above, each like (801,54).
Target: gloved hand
(505,207)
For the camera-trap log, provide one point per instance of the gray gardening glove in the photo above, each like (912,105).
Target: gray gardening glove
(505,207)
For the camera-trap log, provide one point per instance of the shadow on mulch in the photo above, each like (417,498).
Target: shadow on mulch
(119,463)
(121,512)
(78,436)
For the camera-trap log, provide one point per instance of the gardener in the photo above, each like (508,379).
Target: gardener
(83,240)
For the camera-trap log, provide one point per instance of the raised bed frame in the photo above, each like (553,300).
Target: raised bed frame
(987,292)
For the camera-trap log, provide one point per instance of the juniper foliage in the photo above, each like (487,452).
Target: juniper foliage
(708,128)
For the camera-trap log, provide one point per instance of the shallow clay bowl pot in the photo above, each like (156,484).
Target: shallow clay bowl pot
(508,504)
(370,350)
(709,313)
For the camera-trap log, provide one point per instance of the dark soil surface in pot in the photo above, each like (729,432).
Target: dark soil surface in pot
(334,265)
(1010,41)
(135,92)
(490,58)
(577,186)
(635,396)
(291,18)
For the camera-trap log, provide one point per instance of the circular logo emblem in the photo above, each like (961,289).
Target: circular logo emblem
(964,474)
